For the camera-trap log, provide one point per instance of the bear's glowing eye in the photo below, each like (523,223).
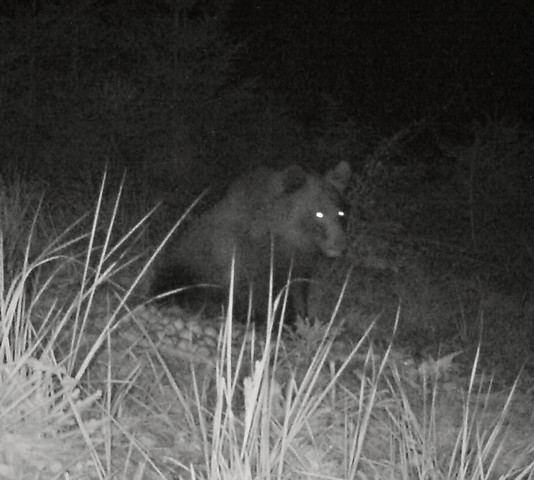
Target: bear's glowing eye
(341,213)
(319,214)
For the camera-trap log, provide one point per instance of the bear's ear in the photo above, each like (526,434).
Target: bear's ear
(293,179)
(339,177)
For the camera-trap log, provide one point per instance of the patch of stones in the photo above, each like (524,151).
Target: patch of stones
(177,333)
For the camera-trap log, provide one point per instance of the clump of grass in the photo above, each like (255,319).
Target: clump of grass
(48,423)
(368,417)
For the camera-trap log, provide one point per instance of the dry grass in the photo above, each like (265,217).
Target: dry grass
(77,402)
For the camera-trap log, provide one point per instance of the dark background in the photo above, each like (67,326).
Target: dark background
(388,62)
(382,63)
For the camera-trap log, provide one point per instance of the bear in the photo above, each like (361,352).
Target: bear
(271,225)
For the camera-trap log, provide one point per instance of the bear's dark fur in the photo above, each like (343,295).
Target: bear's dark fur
(268,221)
